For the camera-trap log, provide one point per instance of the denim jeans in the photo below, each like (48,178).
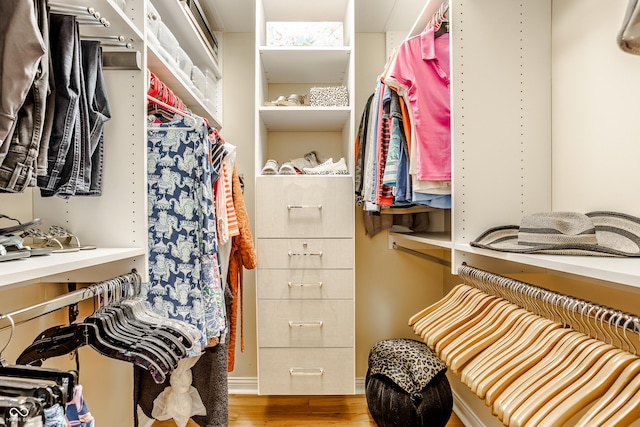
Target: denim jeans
(98,114)
(24,91)
(64,157)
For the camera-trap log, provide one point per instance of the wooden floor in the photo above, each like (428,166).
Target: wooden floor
(290,411)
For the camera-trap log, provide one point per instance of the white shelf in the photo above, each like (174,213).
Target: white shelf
(302,64)
(181,87)
(439,239)
(624,271)
(307,119)
(175,15)
(39,268)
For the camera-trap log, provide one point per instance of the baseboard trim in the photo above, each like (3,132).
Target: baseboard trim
(249,385)
(464,412)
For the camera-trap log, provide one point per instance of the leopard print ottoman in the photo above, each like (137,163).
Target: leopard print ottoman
(406,385)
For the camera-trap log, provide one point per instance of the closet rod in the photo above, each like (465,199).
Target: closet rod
(421,255)
(518,292)
(28,313)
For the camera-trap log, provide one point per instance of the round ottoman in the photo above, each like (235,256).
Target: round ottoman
(406,385)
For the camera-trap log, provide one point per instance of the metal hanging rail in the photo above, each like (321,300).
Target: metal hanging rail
(29,313)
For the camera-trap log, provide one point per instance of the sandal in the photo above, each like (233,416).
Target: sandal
(270,168)
(67,239)
(21,226)
(276,102)
(11,248)
(287,169)
(42,240)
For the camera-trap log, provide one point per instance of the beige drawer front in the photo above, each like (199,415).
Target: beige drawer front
(305,253)
(311,371)
(304,206)
(305,284)
(304,323)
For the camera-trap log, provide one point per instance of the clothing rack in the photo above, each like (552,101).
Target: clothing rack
(69,299)
(84,15)
(421,255)
(550,304)
(534,356)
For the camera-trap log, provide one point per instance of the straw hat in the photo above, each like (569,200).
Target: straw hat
(567,233)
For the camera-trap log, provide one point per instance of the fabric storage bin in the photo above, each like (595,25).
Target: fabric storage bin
(199,80)
(305,34)
(329,96)
(153,25)
(168,44)
(210,89)
(185,64)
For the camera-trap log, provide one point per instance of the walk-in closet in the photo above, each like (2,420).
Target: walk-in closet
(208,220)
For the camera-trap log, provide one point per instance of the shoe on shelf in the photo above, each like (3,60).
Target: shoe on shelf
(20,226)
(276,102)
(67,238)
(287,169)
(309,160)
(292,100)
(329,168)
(270,168)
(42,241)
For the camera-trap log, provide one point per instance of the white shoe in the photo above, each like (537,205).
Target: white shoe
(329,168)
(287,169)
(310,160)
(270,168)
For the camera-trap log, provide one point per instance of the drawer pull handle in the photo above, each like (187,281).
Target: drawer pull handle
(305,254)
(306,372)
(305,285)
(319,207)
(317,324)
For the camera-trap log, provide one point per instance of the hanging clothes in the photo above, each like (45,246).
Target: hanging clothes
(403,144)
(184,274)
(243,256)
(26,83)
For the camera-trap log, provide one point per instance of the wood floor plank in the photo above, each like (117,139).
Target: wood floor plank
(304,411)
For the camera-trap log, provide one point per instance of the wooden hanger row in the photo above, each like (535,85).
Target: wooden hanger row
(536,357)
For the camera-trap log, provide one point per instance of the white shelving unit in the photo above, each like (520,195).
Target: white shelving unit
(117,221)
(527,136)
(175,14)
(304,224)
(501,135)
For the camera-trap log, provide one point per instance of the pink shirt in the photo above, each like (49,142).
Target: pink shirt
(420,72)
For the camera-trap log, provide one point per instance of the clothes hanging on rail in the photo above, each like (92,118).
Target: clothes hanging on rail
(184,271)
(54,115)
(243,256)
(26,83)
(403,144)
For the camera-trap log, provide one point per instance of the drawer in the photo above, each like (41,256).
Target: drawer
(305,284)
(305,253)
(296,371)
(306,323)
(304,206)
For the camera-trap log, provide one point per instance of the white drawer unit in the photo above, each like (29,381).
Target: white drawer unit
(305,253)
(299,206)
(306,371)
(305,323)
(313,284)
(305,220)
